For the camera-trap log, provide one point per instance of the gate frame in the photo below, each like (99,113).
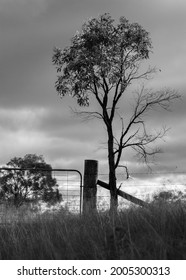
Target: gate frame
(55,169)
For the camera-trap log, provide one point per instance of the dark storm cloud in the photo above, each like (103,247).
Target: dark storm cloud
(32,116)
(60,138)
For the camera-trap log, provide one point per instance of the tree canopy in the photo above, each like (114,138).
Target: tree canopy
(28,178)
(102,56)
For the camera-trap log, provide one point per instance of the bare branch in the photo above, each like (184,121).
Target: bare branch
(126,169)
(146,75)
(87,115)
(149,101)
(142,144)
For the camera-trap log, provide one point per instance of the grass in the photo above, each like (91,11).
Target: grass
(136,233)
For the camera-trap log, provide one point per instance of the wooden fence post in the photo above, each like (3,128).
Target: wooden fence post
(90,186)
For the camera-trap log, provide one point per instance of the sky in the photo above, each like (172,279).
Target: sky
(33,119)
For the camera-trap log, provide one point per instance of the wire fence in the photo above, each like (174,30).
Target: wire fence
(142,185)
(68,182)
(70,186)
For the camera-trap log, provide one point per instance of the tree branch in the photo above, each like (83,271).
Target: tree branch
(96,94)
(144,103)
(87,115)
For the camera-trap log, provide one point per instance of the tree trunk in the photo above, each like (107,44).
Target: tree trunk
(112,174)
(17,200)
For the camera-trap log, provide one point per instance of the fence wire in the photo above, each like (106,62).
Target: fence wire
(70,186)
(68,182)
(142,185)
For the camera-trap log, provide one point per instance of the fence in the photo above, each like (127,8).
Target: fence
(84,194)
(90,188)
(69,182)
(138,188)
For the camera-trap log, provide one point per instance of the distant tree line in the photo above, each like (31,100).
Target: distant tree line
(32,182)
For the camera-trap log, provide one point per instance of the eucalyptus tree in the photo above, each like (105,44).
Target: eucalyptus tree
(103,60)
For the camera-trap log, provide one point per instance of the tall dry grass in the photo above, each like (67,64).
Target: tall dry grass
(158,232)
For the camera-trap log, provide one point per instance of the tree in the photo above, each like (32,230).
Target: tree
(31,179)
(102,62)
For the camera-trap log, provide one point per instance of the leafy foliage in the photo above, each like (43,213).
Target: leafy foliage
(32,179)
(170,195)
(101,50)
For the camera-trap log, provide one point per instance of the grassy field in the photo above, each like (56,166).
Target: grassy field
(136,233)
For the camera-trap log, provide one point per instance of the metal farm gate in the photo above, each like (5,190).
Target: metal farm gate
(69,183)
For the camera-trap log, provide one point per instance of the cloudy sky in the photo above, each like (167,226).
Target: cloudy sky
(33,119)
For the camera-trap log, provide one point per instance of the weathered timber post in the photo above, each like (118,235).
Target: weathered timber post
(90,186)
